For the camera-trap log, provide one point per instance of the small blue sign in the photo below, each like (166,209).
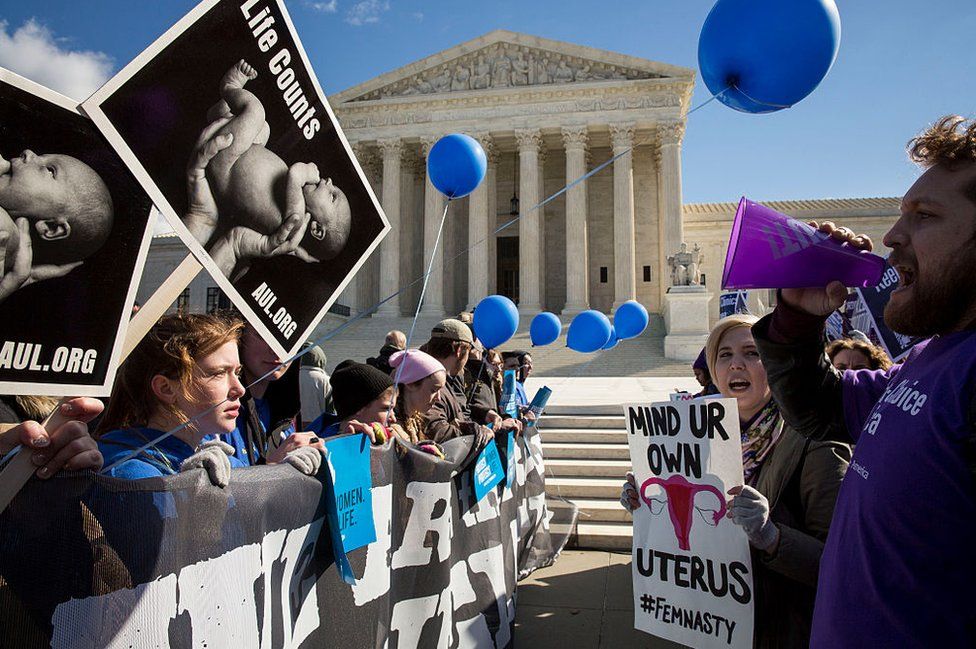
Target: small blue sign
(350,502)
(488,471)
(509,401)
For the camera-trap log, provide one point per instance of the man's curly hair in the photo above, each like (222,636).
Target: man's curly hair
(950,142)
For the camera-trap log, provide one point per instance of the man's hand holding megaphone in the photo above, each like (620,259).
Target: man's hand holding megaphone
(826,300)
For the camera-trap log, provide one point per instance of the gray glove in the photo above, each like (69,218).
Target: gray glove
(213,457)
(749,509)
(629,499)
(306,459)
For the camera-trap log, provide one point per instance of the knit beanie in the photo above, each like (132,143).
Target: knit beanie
(414,365)
(356,384)
(700,362)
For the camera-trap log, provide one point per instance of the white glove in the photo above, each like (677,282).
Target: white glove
(629,499)
(749,509)
(214,458)
(306,459)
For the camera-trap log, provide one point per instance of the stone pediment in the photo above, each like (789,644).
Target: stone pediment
(503,59)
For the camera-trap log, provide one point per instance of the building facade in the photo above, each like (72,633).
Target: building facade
(547,113)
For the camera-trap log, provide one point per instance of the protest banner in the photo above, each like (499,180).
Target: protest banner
(76,228)
(284,216)
(176,562)
(692,570)
(732,303)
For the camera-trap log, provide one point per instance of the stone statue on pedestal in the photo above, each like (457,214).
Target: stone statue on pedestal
(684,266)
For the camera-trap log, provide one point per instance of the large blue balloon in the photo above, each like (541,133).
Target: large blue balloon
(456,165)
(614,340)
(588,332)
(495,320)
(767,54)
(630,319)
(545,329)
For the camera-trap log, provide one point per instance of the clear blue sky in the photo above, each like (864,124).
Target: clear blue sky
(902,63)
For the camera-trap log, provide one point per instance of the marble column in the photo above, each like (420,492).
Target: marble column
(434,202)
(358,294)
(669,136)
(479,226)
(389,252)
(543,248)
(529,142)
(577,286)
(624,260)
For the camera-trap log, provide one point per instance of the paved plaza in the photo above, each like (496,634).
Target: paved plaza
(584,601)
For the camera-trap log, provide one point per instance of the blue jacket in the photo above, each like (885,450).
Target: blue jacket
(163,458)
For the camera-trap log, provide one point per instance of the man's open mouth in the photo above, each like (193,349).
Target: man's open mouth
(906,276)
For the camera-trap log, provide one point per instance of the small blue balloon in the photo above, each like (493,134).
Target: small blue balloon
(614,340)
(588,332)
(495,320)
(767,55)
(545,329)
(456,165)
(630,319)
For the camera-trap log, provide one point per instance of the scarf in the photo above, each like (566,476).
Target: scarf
(758,440)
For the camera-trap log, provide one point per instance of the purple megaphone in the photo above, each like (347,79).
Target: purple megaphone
(770,250)
(681,502)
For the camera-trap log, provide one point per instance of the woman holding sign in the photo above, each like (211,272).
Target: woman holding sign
(791,486)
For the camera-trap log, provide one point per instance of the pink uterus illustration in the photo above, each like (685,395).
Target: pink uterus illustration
(681,503)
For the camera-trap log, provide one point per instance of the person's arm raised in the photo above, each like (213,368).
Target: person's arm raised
(806,387)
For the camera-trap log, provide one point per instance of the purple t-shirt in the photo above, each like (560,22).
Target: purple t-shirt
(899,565)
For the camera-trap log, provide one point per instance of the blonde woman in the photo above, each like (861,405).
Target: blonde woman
(791,486)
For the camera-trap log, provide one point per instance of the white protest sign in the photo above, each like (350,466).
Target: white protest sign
(283,216)
(691,565)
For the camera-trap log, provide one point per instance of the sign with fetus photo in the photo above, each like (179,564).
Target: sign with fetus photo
(691,565)
(74,234)
(224,122)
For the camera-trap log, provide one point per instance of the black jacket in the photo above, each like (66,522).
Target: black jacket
(478,391)
(382,361)
(284,401)
(801,479)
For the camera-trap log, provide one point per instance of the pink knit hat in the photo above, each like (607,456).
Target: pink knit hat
(417,365)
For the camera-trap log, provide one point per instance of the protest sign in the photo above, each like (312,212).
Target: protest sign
(538,404)
(349,501)
(91,562)
(508,404)
(283,217)
(691,565)
(76,227)
(732,303)
(488,471)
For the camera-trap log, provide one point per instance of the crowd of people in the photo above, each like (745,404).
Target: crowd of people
(859,474)
(206,391)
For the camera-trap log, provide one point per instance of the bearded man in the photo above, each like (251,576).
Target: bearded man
(898,566)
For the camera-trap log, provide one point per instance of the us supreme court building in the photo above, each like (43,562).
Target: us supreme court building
(546,113)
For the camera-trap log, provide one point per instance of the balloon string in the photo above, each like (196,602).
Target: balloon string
(423,278)
(752,99)
(420,300)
